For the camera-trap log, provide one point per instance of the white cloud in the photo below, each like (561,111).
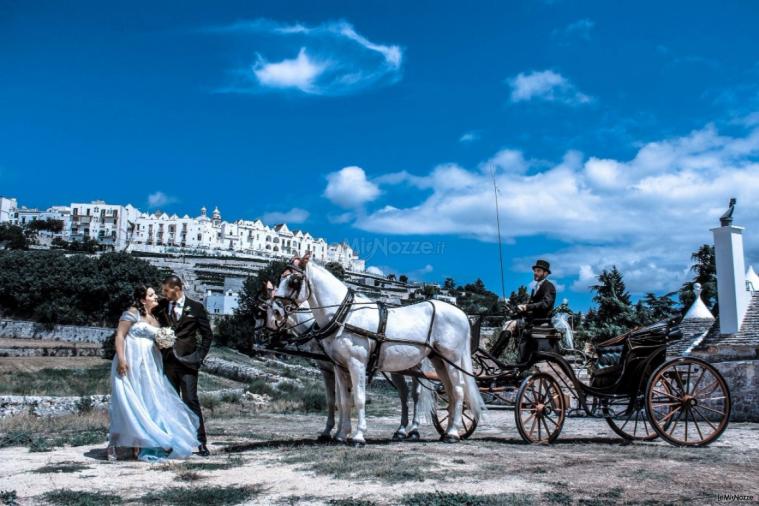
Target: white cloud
(468,137)
(645,215)
(579,29)
(294,215)
(160,199)
(349,188)
(333,59)
(545,85)
(300,73)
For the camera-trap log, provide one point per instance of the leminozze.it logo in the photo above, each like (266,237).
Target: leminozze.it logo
(734,498)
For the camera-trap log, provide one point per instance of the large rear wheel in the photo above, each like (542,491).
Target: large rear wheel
(440,416)
(540,409)
(688,402)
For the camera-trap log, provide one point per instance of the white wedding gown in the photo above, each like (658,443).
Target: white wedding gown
(146,412)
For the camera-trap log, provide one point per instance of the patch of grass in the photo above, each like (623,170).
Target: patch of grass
(75,381)
(556,498)
(461,499)
(262,387)
(62,467)
(80,498)
(41,434)
(350,502)
(207,496)
(189,476)
(231,462)
(9,497)
(363,464)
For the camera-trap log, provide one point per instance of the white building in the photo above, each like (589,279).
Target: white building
(162,233)
(7,209)
(110,225)
(126,228)
(225,302)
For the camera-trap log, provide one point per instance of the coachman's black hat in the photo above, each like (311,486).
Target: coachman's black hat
(542,264)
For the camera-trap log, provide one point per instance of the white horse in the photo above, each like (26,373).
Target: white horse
(431,329)
(299,322)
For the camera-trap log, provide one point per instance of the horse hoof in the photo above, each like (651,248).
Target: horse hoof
(413,436)
(324,438)
(399,436)
(358,444)
(449,438)
(340,441)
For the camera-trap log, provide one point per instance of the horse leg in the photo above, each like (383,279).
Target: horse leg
(416,390)
(443,372)
(456,406)
(344,405)
(329,386)
(400,384)
(358,380)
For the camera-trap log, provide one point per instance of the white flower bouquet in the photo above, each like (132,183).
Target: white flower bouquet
(165,337)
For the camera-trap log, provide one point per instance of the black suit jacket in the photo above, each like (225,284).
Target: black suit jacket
(193,322)
(541,302)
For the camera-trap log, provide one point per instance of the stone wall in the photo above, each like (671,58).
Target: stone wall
(742,378)
(17,329)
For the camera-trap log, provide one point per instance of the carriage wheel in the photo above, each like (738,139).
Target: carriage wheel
(628,418)
(540,409)
(440,416)
(688,402)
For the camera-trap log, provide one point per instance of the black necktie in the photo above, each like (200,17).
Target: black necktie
(171,311)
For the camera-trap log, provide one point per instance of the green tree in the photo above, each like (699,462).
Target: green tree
(614,314)
(704,267)
(49,225)
(50,287)
(239,330)
(336,269)
(13,237)
(521,296)
(449,284)
(403,278)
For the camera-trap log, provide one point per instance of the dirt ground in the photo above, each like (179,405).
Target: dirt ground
(278,457)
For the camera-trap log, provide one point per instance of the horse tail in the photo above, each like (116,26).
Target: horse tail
(426,402)
(471,391)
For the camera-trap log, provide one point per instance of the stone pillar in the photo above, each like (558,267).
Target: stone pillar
(731,277)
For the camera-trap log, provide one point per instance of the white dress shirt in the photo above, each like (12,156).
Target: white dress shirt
(178,307)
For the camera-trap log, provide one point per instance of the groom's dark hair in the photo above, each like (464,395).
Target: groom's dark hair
(173,281)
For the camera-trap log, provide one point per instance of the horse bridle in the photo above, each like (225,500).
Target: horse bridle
(288,302)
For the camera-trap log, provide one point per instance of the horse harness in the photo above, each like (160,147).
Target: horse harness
(338,320)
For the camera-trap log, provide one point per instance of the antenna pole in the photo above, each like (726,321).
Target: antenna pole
(498,223)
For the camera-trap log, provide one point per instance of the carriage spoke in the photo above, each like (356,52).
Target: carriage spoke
(548,432)
(552,421)
(532,427)
(698,381)
(698,429)
(635,426)
(666,394)
(540,438)
(721,413)
(671,414)
(705,419)
(674,425)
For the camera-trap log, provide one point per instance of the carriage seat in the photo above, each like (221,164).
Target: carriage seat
(609,356)
(544,335)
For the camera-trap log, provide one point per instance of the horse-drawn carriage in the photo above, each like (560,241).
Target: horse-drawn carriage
(630,382)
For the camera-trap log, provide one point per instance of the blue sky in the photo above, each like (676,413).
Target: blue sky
(616,133)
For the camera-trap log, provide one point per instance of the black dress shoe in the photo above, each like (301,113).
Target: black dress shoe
(203,450)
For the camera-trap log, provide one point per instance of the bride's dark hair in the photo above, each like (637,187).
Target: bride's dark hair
(140,292)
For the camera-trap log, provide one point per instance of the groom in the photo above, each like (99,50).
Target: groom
(181,362)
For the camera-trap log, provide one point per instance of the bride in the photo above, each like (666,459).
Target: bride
(146,412)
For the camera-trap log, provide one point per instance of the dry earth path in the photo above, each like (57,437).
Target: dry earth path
(273,459)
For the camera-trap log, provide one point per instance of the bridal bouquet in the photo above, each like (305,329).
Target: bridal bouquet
(165,337)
